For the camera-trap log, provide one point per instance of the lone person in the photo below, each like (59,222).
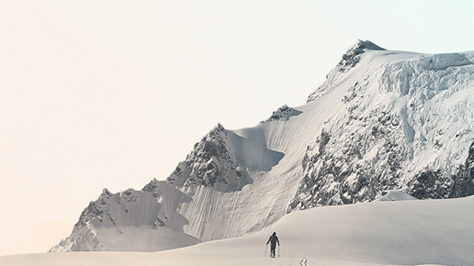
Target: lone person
(273,240)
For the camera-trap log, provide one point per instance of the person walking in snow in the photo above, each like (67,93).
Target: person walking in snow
(273,240)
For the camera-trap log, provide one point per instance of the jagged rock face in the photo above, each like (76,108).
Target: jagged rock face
(82,238)
(351,58)
(413,111)
(436,185)
(430,185)
(282,114)
(137,220)
(464,180)
(211,164)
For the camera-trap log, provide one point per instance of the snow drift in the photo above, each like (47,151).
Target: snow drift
(382,121)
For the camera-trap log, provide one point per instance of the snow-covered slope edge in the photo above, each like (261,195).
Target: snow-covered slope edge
(382,121)
(435,232)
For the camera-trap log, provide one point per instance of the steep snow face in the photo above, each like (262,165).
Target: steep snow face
(348,61)
(407,125)
(131,220)
(382,121)
(222,210)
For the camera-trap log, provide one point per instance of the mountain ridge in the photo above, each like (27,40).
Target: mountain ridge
(382,121)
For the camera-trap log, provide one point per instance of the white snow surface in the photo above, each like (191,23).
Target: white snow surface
(417,232)
(429,97)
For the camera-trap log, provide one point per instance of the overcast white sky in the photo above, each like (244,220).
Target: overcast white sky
(98,94)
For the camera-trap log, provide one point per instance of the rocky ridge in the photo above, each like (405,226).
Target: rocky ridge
(210,164)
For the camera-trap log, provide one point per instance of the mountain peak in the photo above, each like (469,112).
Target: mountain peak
(348,61)
(351,57)
(366,45)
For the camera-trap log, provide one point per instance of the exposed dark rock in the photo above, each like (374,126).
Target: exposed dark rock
(430,185)
(464,181)
(283,114)
(158,223)
(210,164)
(436,185)
(325,183)
(351,58)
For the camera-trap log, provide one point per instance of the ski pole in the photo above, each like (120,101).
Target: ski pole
(278,251)
(266,250)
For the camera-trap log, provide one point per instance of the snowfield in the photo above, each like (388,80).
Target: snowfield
(392,231)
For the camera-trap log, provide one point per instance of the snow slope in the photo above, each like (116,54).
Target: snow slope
(382,121)
(413,232)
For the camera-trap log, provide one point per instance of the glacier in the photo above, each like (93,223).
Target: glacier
(382,121)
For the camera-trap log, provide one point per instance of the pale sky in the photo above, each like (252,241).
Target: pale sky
(97,94)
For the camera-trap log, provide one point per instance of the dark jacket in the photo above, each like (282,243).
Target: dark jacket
(273,240)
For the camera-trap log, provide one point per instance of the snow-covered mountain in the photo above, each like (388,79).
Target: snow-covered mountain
(382,121)
(405,123)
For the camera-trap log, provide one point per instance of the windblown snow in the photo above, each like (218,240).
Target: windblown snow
(384,122)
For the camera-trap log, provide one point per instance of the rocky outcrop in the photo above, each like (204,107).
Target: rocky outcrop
(134,218)
(211,164)
(463,184)
(431,184)
(283,114)
(351,57)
